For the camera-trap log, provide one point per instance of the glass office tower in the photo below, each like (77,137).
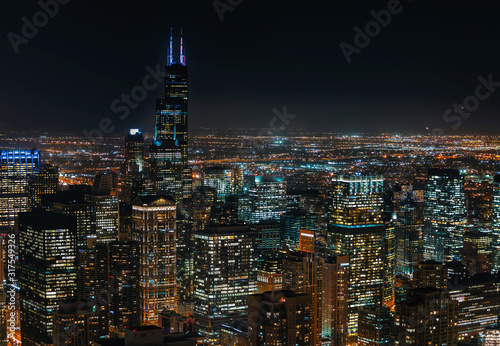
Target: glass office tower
(16,166)
(357,229)
(445,214)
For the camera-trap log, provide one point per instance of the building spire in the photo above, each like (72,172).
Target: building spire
(183,57)
(170,60)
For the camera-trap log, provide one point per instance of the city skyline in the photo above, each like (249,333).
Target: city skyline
(279,191)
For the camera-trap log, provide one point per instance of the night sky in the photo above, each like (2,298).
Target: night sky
(263,55)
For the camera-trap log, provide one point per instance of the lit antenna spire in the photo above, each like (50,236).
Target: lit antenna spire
(171,51)
(183,57)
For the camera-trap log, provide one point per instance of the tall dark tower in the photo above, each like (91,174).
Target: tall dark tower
(169,165)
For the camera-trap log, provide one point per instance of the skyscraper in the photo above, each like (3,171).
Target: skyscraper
(104,197)
(409,238)
(495,223)
(375,326)
(428,317)
(266,199)
(75,323)
(356,200)
(357,229)
(170,173)
(445,214)
(292,222)
(335,298)
(225,274)
(44,182)
(226,180)
(47,275)
(302,274)
(134,166)
(154,227)
(279,318)
(124,284)
(16,166)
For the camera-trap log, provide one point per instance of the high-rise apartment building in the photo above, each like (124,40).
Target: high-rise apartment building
(154,227)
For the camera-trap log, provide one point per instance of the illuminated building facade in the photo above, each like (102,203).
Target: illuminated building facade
(279,318)
(225,180)
(225,213)
(389,263)
(335,299)
(357,230)
(477,252)
(301,274)
(375,326)
(266,199)
(430,274)
(491,337)
(44,182)
(105,184)
(47,270)
(292,222)
(107,209)
(365,248)
(224,276)
(134,167)
(445,214)
(409,233)
(170,173)
(75,323)
(3,299)
(73,204)
(270,274)
(478,304)
(356,200)
(495,223)
(154,227)
(16,166)
(428,317)
(124,284)
(268,236)
(93,280)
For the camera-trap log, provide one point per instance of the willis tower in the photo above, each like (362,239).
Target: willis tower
(170,174)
